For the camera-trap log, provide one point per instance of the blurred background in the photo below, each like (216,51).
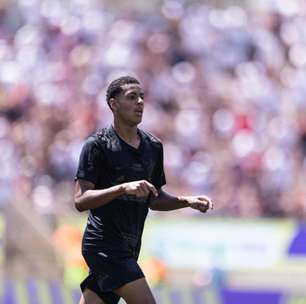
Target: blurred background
(225,85)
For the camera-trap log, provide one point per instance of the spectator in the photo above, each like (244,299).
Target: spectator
(234,76)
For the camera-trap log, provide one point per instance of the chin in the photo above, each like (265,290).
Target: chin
(135,122)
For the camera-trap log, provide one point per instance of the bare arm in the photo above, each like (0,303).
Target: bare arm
(167,202)
(86,197)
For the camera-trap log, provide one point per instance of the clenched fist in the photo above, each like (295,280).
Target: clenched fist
(201,202)
(140,188)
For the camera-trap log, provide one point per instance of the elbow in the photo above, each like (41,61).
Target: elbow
(153,206)
(78,205)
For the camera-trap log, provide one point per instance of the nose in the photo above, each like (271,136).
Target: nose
(140,100)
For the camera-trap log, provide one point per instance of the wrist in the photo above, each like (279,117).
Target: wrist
(184,201)
(121,189)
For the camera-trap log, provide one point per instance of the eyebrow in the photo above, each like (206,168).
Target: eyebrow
(135,92)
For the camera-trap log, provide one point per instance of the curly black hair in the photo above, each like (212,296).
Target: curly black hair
(115,87)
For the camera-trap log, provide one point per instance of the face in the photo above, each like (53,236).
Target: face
(128,106)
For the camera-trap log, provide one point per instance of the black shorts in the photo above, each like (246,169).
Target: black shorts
(107,274)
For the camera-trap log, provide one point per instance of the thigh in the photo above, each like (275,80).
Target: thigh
(91,287)
(90,297)
(136,292)
(111,273)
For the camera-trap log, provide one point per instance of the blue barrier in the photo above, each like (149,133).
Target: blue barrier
(42,292)
(251,297)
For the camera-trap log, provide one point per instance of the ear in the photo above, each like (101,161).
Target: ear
(113,104)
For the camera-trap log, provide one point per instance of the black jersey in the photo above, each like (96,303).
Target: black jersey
(107,160)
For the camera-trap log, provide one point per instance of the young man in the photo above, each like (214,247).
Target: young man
(120,176)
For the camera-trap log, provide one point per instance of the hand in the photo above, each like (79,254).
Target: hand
(140,188)
(201,203)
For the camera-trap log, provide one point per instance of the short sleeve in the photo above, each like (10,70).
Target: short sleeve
(159,179)
(90,162)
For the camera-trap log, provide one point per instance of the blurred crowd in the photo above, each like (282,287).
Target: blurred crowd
(225,90)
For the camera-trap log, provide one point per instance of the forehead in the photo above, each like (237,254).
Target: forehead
(131,87)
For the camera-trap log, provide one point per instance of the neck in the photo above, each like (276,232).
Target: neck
(126,132)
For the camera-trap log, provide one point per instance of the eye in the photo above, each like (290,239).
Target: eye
(141,95)
(132,96)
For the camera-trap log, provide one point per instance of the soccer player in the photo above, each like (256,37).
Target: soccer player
(120,176)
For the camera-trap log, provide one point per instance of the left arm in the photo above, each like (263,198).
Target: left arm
(167,202)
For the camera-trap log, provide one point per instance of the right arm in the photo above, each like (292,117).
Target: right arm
(86,197)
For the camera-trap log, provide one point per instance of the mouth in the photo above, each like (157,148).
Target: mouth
(139,111)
